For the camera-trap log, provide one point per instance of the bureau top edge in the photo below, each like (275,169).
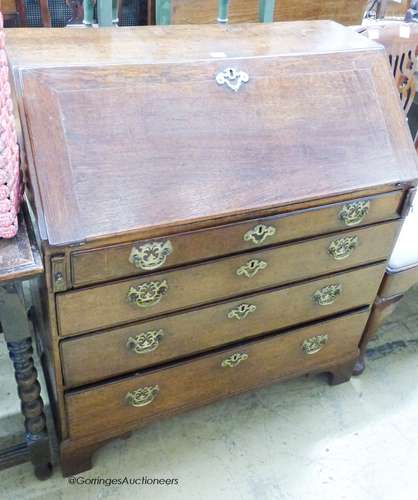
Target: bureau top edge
(159,44)
(216,222)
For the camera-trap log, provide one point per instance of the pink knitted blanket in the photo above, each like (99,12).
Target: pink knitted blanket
(10,190)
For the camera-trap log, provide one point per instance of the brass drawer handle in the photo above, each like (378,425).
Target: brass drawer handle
(259,233)
(327,295)
(314,344)
(151,255)
(145,342)
(251,268)
(142,396)
(354,213)
(234,360)
(343,247)
(242,311)
(232,77)
(148,294)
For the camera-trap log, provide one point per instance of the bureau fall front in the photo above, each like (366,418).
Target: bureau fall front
(215,204)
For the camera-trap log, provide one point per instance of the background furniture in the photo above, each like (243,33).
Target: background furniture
(401,275)
(60,13)
(237,179)
(400,40)
(207,11)
(11,14)
(20,261)
(401,43)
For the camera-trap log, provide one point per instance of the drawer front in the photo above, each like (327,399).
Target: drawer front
(113,262)
(145,344)
(136,299)
(119,406)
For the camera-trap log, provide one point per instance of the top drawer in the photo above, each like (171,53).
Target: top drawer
(130,259)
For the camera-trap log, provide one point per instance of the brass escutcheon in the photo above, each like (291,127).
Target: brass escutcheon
(251,268)
(234,360)
(242,311)
(233,78)
(343,247)
(150,255)
(354,213)
(145,342)
(259,234)
(327,295)
(142,396)
(314,344)
(148,294)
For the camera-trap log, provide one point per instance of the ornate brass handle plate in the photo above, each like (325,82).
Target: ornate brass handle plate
(242,311)
(314,344)
(354,213)
(234,360)
(233,78)
(142,396)
(251,268)
(145,342)
(259,234)
(327,295)
(151,255)
(343,247)
(148,294)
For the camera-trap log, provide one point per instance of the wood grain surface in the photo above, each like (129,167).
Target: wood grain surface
(108,305)
(103,410)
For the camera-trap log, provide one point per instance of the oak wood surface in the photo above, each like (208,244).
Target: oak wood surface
(158,44)
(99,410)
(107,305)
(134,140)
(113,262)
(209,327)
(267,123)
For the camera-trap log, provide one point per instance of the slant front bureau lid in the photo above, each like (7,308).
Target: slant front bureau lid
(134,129)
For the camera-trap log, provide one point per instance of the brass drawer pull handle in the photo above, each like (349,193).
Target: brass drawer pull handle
(234,360)
(354,213)
(145,342)
(232,77)
(148,294)
(242,311)
(142,396)
(314,344)
(343,247)
(251,268)
(259,233)
(327,295)
(151,255)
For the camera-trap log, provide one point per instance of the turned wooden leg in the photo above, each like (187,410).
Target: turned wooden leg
(19,343)
(341,373)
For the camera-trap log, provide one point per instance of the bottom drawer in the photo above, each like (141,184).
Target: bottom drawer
(116,407)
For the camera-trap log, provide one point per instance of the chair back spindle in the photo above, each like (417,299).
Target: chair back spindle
(223,7)
(163,11)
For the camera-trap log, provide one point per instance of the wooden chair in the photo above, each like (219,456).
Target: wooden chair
(21,261)
(401,42)
(210,11)
(390,9)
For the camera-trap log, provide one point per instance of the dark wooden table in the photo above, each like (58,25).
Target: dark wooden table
(20,261)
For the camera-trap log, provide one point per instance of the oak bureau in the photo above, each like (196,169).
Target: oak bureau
(215,205)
